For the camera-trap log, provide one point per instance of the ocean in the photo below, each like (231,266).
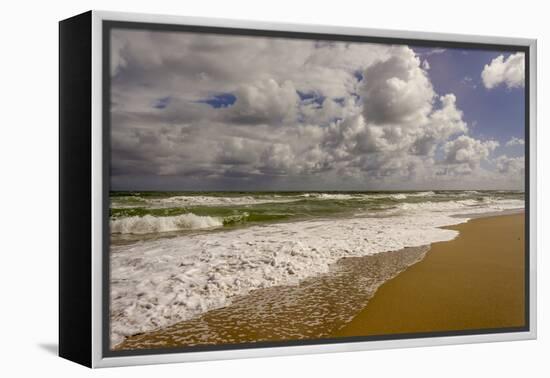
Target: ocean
(178,255)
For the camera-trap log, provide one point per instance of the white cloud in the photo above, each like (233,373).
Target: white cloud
(265,101)
(435,51)
(117,60)
(509,71)
(466,153)
(511,165)
(236,151)
(371,117)
(397,90)
(515,141)
(447,120)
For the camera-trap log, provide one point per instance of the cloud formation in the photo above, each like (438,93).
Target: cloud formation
(197,111)
(466,153)
(397,90)
(515,141)
(509,71)
(511,165)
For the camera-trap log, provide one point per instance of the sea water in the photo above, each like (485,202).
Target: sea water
(175,256)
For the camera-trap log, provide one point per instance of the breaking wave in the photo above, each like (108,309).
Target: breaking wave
(149,224)
(192,274)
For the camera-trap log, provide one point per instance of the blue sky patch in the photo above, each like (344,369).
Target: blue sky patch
(221,100)
(311,98)
(497,113)
(339,100)
(162,103)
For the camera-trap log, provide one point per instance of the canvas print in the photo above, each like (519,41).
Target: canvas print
(268,190)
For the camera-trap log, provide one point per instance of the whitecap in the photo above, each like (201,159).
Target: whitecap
(150,224)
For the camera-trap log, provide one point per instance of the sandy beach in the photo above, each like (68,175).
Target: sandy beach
(253,202)
(475,281)
(472,282)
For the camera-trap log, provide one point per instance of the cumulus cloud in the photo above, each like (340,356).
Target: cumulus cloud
(509,71)
(466,153)
(511,165)
(397,90)
(265,101)
(515,141)
(443,123)
(197,111)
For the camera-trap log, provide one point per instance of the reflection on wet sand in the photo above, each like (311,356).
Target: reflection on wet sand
(314,309)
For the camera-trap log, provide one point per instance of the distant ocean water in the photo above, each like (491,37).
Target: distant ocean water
(142,213)
(177,255)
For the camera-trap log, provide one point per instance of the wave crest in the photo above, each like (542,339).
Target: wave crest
(149,224)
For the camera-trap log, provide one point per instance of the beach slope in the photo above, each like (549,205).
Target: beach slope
(475,281)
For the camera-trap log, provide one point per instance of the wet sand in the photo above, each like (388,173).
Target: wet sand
(314,309)
(475,281)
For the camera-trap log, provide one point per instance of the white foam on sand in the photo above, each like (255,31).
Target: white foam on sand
(469,206)
(161,282)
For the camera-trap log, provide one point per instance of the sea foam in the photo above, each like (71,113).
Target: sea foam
(149,224)
(160,282)
(197,200)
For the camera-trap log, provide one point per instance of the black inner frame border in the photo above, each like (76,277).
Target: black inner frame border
(109,25)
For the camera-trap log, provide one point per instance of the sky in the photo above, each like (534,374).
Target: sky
(192,111)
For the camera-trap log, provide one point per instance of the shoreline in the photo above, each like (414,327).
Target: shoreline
(300,309)
(475,281)
(310,310)
(491,214)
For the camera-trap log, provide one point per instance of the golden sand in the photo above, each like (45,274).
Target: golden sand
(475,281)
